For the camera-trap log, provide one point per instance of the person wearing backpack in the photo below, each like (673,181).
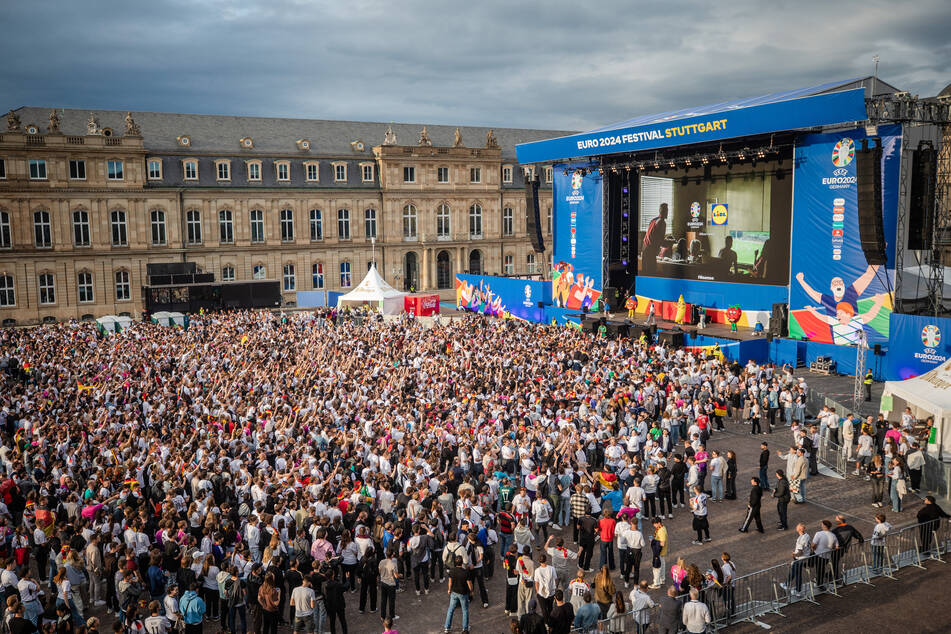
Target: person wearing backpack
(192,608)
(420,547)
(234,601)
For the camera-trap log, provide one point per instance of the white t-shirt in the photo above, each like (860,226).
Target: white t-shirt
(546,579)
(824,542)
(541,510)
(303,598)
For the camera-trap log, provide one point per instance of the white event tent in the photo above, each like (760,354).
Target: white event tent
(927,395)
(375,292)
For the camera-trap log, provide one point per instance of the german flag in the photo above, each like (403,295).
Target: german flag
(607,479)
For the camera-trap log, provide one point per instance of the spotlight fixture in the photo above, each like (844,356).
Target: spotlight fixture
(613,169)
(760,153)
(671,164)
(705,159)
(656,164)
(742,154)
(627,168)
(687,161)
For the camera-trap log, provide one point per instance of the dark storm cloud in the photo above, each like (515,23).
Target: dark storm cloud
(550,65)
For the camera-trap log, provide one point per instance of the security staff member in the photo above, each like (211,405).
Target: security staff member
(868,385)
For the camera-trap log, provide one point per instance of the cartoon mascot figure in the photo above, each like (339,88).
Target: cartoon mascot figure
(733,314)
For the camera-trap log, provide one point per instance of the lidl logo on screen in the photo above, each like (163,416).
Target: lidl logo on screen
(719,212)
(931,339)
(843,152)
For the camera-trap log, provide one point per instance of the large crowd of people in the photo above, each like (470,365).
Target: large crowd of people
(254,469)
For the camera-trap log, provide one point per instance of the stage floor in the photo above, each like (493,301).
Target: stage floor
(711,330)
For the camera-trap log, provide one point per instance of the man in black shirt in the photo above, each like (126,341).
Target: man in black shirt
(782,495)
(677,472)
(532,622)
(670,619)
(929,518)
(844,534)
(586,538)
(294,579)
(275,568)
(20,625)
(561,616)
(336,602)
(756,498)
(764,465)
(460,591)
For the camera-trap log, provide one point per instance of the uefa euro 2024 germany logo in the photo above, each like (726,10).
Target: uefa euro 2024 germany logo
(576,179)
(931,336)
(843,152)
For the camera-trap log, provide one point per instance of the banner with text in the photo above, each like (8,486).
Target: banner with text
(792,114)
(577,218)
(834,294)
(918,344)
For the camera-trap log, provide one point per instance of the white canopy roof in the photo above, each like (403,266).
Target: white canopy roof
(928,394)
(375,290)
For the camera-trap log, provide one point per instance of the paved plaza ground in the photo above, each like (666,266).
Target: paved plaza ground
(826,496)
(886,607)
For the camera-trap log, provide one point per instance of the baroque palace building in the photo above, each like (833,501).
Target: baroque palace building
(89,199)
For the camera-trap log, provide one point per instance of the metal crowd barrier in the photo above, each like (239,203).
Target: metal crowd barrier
(625,623)
(768,591)
(832,456)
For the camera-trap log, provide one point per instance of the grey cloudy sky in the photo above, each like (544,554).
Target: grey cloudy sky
(553,65)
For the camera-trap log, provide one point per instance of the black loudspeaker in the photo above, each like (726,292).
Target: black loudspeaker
(590,324)
(868,169)
(921,204)
(673,339)
(618,329)
(541,304)
(533,223)
(779,321)
(878,349)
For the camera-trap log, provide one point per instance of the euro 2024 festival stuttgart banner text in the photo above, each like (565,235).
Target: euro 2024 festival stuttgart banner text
(576,259)
(834,294)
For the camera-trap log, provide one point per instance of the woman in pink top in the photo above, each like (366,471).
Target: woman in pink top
(893,434)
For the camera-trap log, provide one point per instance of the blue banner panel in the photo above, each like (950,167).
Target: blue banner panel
(577,266)
(835,294)
(712,294)
(314,299)
(827,109)
(498,296)
(562,316)
(918,344)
